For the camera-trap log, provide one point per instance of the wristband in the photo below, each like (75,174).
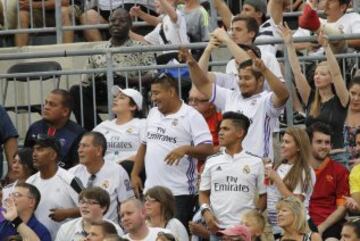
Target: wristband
(204,207)
(16,222)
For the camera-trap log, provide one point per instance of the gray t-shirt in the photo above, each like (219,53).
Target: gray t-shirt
(197,23)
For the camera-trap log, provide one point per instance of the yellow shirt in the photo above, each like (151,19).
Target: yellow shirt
(354,179)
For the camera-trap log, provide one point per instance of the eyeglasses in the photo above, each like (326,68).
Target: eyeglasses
(150,199)
(18,195)
(88,201)
(197,101)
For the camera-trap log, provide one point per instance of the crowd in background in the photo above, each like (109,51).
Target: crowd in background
(211,163)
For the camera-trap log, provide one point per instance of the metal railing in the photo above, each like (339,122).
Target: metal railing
(59,29)
(110,70)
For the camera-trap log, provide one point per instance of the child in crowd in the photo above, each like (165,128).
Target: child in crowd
(255,222)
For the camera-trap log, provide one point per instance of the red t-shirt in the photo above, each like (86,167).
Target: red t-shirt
(332,184)
(213,123)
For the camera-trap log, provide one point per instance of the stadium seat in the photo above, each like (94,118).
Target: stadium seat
(32,67)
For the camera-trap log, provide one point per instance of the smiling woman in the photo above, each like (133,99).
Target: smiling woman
(292,219)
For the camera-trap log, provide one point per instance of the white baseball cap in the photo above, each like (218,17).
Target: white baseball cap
(132,93)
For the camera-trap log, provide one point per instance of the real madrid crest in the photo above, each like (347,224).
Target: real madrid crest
(246,169)
(175,122)
(130,130)
(105,184)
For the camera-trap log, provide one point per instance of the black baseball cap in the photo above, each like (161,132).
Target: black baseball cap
(44,140)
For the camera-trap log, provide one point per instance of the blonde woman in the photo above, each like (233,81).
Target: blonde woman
(329,100)
(291,218)
(292,176)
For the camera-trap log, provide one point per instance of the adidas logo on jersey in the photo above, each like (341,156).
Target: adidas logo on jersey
(219,168)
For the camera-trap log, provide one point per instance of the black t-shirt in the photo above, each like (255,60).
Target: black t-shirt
(333,113)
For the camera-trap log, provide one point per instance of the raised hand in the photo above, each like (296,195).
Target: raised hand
(286,33)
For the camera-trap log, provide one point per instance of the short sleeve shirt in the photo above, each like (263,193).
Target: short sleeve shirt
(114,179)
(354,179)
(332,184)
(69,137)
(234,183)
(261,112)
(119,60)
(60,191)
(122,140)
(274,195)
(165,133)
(175,33)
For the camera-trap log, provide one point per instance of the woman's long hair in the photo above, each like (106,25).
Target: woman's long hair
(301,165)
(316,104)
(166,199)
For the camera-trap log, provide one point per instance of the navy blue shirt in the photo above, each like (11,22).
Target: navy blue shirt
(69,137)
(7,229)
(7,130)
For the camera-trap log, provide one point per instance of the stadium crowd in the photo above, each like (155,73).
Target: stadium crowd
(202,163)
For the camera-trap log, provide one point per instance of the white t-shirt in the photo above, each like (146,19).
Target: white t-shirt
(269,60)
(152,235)
(227,81)
(111,177)
(261,112)
(178,229)
(60,191)
(273,194)
(163,135)
(175,33)
(73,230)
(234,183)
(122,140)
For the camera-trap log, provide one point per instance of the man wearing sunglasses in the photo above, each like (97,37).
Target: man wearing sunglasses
(19,215)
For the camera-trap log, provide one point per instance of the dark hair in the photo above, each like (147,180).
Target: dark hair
(355,81)
(67,100)
(346,2)
(98,140)
(166,81)
(319,127)
(137,113)
(357,132)
(238,119)
(33,191)
(355,224)
(25,156)
(248,64)
(124,12)
(107,227)
(251,24)
(98,194)
(166,199)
